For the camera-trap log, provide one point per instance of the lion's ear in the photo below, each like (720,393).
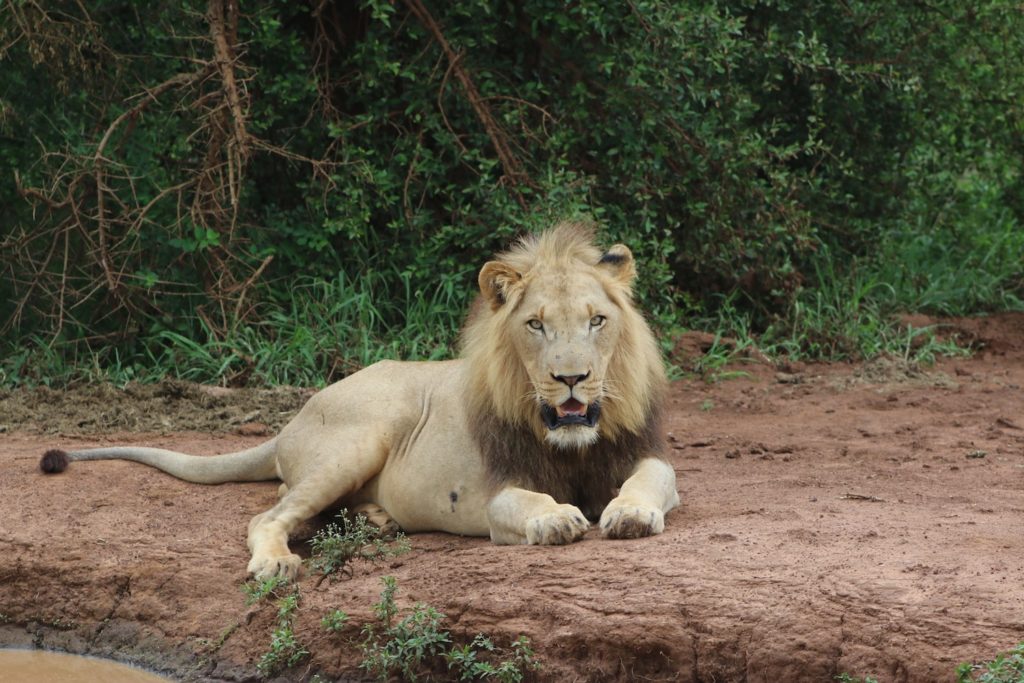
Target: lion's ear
(496,282)
(618,262)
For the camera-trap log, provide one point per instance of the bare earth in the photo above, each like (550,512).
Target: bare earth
(867,520)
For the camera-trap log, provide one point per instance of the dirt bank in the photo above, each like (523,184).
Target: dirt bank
(865,520)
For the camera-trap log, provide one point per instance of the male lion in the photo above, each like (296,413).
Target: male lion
(553,406)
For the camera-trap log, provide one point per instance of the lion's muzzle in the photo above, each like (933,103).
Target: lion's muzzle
(572,412)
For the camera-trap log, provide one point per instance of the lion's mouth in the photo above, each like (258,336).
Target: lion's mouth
(572,412)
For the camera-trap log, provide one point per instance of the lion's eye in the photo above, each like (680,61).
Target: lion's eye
(535,324)
(597,321)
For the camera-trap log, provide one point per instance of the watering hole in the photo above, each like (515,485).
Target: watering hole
(40,666)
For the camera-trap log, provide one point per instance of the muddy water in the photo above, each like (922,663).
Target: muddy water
(39,666)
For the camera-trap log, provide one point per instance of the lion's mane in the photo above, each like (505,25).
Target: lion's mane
(505,419)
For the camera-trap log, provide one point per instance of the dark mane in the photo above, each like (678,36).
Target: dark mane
(586,478)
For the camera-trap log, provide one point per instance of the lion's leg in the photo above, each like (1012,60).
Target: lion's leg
(268,531)
(645,497)
(324,481)
(378,517)
(517,516)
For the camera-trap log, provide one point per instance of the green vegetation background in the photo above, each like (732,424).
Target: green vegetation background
(290,192)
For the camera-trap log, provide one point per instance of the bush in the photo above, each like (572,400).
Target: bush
(184,172)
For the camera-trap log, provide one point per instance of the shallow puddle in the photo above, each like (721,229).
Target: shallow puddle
(40,666)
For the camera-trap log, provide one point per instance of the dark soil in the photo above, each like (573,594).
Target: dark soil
(169,406)
(835,518)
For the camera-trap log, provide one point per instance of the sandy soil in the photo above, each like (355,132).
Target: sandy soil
(867,520)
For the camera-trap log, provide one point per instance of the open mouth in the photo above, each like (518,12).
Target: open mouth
(572,412)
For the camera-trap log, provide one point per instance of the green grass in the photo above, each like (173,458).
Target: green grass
(327,330)
(851,314)
(947,277)
(334,621)
(323,331)
(967,258)
(407,644)
(285,651)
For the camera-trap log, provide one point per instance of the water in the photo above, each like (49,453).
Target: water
(40,666)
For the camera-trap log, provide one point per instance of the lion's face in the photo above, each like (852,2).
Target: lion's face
(564,330)
(554,342)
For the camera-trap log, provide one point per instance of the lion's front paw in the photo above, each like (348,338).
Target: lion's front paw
(627,520)
(285,566)
(564,524)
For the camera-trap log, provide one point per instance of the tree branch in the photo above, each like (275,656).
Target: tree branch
(511,165)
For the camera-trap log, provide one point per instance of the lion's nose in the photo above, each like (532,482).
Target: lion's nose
(571,380)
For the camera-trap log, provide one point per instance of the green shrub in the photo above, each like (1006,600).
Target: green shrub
(327,198)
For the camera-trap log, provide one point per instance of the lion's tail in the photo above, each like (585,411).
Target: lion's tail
(253,464)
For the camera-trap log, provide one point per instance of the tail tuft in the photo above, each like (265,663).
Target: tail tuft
(54,461)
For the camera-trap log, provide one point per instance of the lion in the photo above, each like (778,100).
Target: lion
(548,421)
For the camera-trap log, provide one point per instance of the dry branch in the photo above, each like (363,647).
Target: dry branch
(101,211)
(514,173)
(99,162)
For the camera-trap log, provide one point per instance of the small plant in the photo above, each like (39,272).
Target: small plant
(256,590)
(417,641)
(466,663)
(733,343)
(401,647)
(286,606)
(285,649)
(334,621)
(1005,668)
(353,538)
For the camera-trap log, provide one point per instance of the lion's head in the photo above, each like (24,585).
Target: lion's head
(555,343)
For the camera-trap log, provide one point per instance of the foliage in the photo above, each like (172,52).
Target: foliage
(406,646)
(334,621)
(322,331)
(259,589)
(466,661)
(849,317)
(288,192)
(968,260)
(285,649)
(336,545)
(1005,668)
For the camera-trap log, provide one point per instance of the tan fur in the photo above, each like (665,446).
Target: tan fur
(635,374)
(461,446)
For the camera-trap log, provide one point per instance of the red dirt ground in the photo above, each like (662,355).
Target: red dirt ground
(865,520)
